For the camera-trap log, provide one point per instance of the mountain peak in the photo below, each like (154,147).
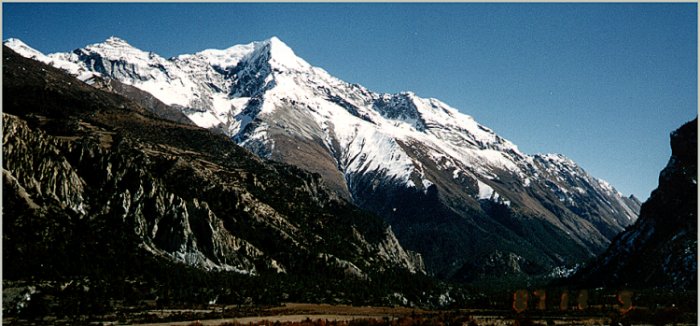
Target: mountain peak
(115,45)
(22,48)
(271,50)
(115,48)
(116,41)
(15,41)
(276,40)
(282,56)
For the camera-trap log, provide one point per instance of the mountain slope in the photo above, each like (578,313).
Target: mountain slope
(80,163)
(451,188)
(660,249)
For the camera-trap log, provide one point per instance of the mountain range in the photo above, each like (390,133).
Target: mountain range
(104,200)
(464,198)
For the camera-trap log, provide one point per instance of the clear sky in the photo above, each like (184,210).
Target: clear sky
(603,84)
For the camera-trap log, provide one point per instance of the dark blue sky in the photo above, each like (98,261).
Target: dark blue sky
(604,84)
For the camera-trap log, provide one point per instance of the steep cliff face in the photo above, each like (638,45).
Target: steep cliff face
(660,249)
(77,158)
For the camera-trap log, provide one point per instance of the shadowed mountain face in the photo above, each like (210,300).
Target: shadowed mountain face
(660,249)
(90,178)
(452,189)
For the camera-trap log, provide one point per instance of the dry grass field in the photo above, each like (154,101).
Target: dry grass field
(302,314)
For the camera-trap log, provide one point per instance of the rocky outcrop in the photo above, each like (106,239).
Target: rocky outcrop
(43,169)
(660,249)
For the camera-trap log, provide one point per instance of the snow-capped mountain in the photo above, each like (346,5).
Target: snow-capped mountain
(451,188)
(85,171)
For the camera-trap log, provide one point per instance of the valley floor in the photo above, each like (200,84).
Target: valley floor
(302,314)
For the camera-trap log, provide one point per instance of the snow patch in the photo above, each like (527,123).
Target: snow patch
(204,119)
(485,191)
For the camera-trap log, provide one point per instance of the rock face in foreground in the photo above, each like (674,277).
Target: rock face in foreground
(83,169)
(660,249)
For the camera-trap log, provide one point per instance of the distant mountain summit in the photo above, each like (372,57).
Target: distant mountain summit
(451,188)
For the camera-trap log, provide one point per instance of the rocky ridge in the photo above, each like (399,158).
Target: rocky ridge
(660,248)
